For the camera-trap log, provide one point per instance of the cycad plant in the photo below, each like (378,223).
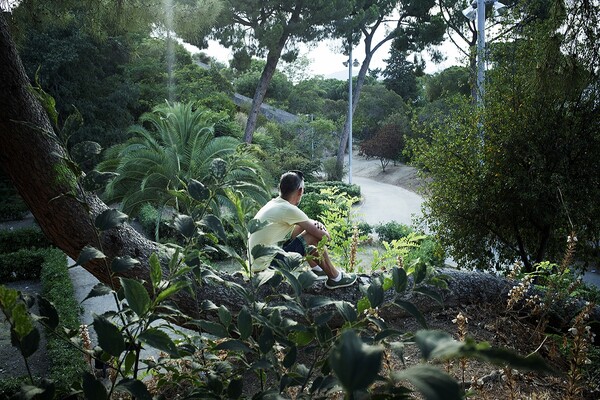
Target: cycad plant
(172,145)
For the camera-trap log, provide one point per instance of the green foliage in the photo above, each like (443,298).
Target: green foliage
(392,231)
(376,104)
(175,145)
(22,238)
(449,82)
(22,264)
(67,363)
(352,190)
(512,189)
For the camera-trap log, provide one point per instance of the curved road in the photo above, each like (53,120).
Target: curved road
(383,202)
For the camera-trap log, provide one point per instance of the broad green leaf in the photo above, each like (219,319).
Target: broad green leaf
(319,301)
(213,328)
(89,253)
(197,190)
(290,357)
(109,336)
(355,363)
(375,294)
(262,251)
(347,310)
(386,333)
(48,311)
(122,264)
(28,344)
(431,382)
(307,279)
(110,218)
(155,270)
(410,307)
(29,392)
(323,318)
(437,344)
(136,296)
(23,324)
(173,288)
(255,225)
(505,356)
(292,281)
(184,224)
(235,388)
(159,340)
(244,323)
(430,293)
(134,387)
(224,316)
(214,224)
(362,305)
(99,289)
(420,271)
(264,276)
(301,338)
(233,345)
(266,341)
(400,279)
(93,389)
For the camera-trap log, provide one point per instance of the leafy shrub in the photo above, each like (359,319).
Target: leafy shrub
(332,172)
(350,190)
(23,264)
(364,228)
(67,363)
(429,252)
(22,238)
(392,231)
(312,204)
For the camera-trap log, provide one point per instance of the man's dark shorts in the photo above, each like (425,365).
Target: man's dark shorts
(295,245)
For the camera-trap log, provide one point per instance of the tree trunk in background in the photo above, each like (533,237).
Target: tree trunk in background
(263,85)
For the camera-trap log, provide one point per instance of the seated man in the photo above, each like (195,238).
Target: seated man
(286,219)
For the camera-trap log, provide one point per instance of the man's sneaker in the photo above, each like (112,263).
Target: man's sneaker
(321,275)
(347,280)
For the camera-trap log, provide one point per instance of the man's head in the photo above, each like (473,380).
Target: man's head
(291,186)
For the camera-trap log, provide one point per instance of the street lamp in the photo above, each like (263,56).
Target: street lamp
(471,13)
(350,64)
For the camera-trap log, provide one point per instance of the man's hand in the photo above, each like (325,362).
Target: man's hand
(321,227)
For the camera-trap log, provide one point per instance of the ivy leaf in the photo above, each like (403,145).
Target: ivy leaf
(355,363)
(99,289)
(109,336)
(136,296)
(93,389)
(184,224)
(48,311)
(122,264)
(135,388)
(432,383)
(110,218)
(412,309)
(197,190)
(159,340)
(89,253)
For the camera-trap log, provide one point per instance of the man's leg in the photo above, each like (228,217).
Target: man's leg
(324,261)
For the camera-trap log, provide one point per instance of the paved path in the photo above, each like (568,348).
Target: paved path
(384,203)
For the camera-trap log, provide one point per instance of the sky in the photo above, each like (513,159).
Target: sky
(326,58)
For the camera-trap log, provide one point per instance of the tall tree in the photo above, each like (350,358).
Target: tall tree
(273,28)
(411,24)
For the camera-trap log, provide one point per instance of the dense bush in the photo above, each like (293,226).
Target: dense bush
(351,190)
(67,363)
(392,231)
(23,264)
(22,238)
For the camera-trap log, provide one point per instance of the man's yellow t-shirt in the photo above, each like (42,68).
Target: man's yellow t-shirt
(281,216)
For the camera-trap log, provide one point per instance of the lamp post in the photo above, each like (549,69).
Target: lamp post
(349,64)
(472,12)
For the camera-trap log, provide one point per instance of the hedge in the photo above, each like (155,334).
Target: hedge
(23,264)
(10,240)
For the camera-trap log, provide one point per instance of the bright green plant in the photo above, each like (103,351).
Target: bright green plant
(177,144)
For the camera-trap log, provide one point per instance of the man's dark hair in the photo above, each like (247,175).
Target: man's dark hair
(290,182)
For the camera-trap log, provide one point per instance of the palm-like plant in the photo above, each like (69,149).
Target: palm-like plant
(174,144)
